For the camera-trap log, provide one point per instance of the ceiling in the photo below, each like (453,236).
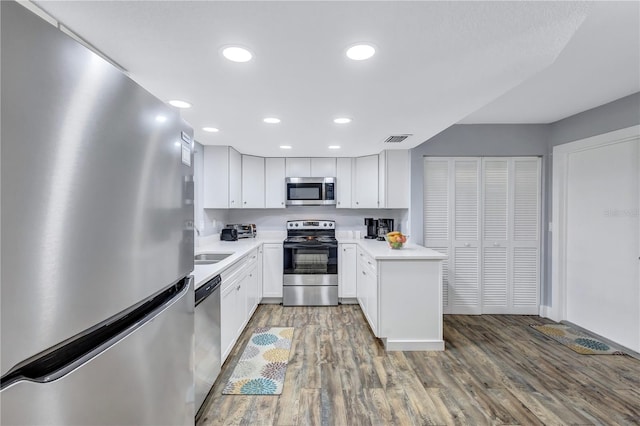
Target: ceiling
(437,64)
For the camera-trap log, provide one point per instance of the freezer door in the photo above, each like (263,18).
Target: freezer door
(145,378)
(97,190)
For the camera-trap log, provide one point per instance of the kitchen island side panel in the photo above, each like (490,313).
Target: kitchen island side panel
(410,302)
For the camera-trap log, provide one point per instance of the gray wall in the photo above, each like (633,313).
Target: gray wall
(619,114)
(519,140)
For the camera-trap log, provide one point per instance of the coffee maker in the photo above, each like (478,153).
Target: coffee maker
(384,227)
(372,228)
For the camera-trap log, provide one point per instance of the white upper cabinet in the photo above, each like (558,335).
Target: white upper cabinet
(323,167)
(216,177)
(344,171)
(274,190)
(252,182)
(365,188)
(394,179)
(311,167)
(298,167)
(235,179)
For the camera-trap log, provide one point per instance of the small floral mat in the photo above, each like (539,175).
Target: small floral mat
(263,364)
(576,340)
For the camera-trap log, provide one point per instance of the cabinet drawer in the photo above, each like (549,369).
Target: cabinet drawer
(367,260)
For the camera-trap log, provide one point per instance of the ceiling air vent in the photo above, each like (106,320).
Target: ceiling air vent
(396,138)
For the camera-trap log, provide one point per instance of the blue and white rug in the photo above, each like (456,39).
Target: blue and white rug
(576,340)
(263,364)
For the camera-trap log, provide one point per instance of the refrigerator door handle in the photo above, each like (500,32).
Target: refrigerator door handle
(57,363)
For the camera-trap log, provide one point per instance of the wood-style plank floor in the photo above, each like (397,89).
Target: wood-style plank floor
(495,370)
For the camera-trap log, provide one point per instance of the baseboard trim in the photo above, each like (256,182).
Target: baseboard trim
(413,345)
(545,311)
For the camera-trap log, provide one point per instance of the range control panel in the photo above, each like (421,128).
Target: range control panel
(311,224)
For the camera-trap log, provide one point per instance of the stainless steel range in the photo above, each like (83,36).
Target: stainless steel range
(310,263)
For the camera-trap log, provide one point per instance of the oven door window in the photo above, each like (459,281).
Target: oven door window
(306,260)
(304,191)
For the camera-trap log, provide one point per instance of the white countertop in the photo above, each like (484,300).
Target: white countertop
(379,250)
(238,249)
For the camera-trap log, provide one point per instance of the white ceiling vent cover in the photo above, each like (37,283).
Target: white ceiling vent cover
(396,138)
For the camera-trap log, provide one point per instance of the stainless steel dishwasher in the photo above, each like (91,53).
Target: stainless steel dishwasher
(207,337)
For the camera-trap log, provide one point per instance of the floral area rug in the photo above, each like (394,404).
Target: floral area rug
(263,364)
(576,340)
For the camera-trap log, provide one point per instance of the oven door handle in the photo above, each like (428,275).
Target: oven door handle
(309,246)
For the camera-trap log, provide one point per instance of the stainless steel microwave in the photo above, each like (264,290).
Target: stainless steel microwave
(308,191)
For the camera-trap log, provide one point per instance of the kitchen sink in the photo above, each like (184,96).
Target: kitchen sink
(209,258)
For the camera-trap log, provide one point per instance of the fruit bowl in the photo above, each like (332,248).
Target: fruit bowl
(395,239)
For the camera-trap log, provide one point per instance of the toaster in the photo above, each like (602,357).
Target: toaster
(245,230)
(229,234)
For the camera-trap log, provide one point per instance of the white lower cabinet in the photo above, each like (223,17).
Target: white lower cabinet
(239,299)
(367,288)
(401,300)
(272,259)
(232,312)
(347,271)
(252,284)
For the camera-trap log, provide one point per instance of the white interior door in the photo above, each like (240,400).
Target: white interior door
(436,215)
(495,235)
(602,241)
(464,261)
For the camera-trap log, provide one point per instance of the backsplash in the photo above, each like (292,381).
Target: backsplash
(275,219)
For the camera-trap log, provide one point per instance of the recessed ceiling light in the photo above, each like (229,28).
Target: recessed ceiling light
(271,120)
(237,54)
(161,118)
(361,51)
(179,104)
(342,120)
(334,146)
(285,146)
(210,129)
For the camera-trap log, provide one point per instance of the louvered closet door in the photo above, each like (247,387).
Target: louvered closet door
(464,261)
(525,241)
(485,215)
(436,214)
(495,235)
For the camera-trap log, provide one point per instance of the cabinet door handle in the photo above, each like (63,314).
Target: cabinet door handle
(357,202)
(496,244)
(245,202)
(364,273)
(238,288)
(467,245)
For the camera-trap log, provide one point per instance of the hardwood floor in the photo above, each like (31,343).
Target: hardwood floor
(495,370)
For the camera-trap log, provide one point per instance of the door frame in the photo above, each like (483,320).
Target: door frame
(560,173)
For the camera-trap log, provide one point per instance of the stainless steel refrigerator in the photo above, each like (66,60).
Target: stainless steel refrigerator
(96,239)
